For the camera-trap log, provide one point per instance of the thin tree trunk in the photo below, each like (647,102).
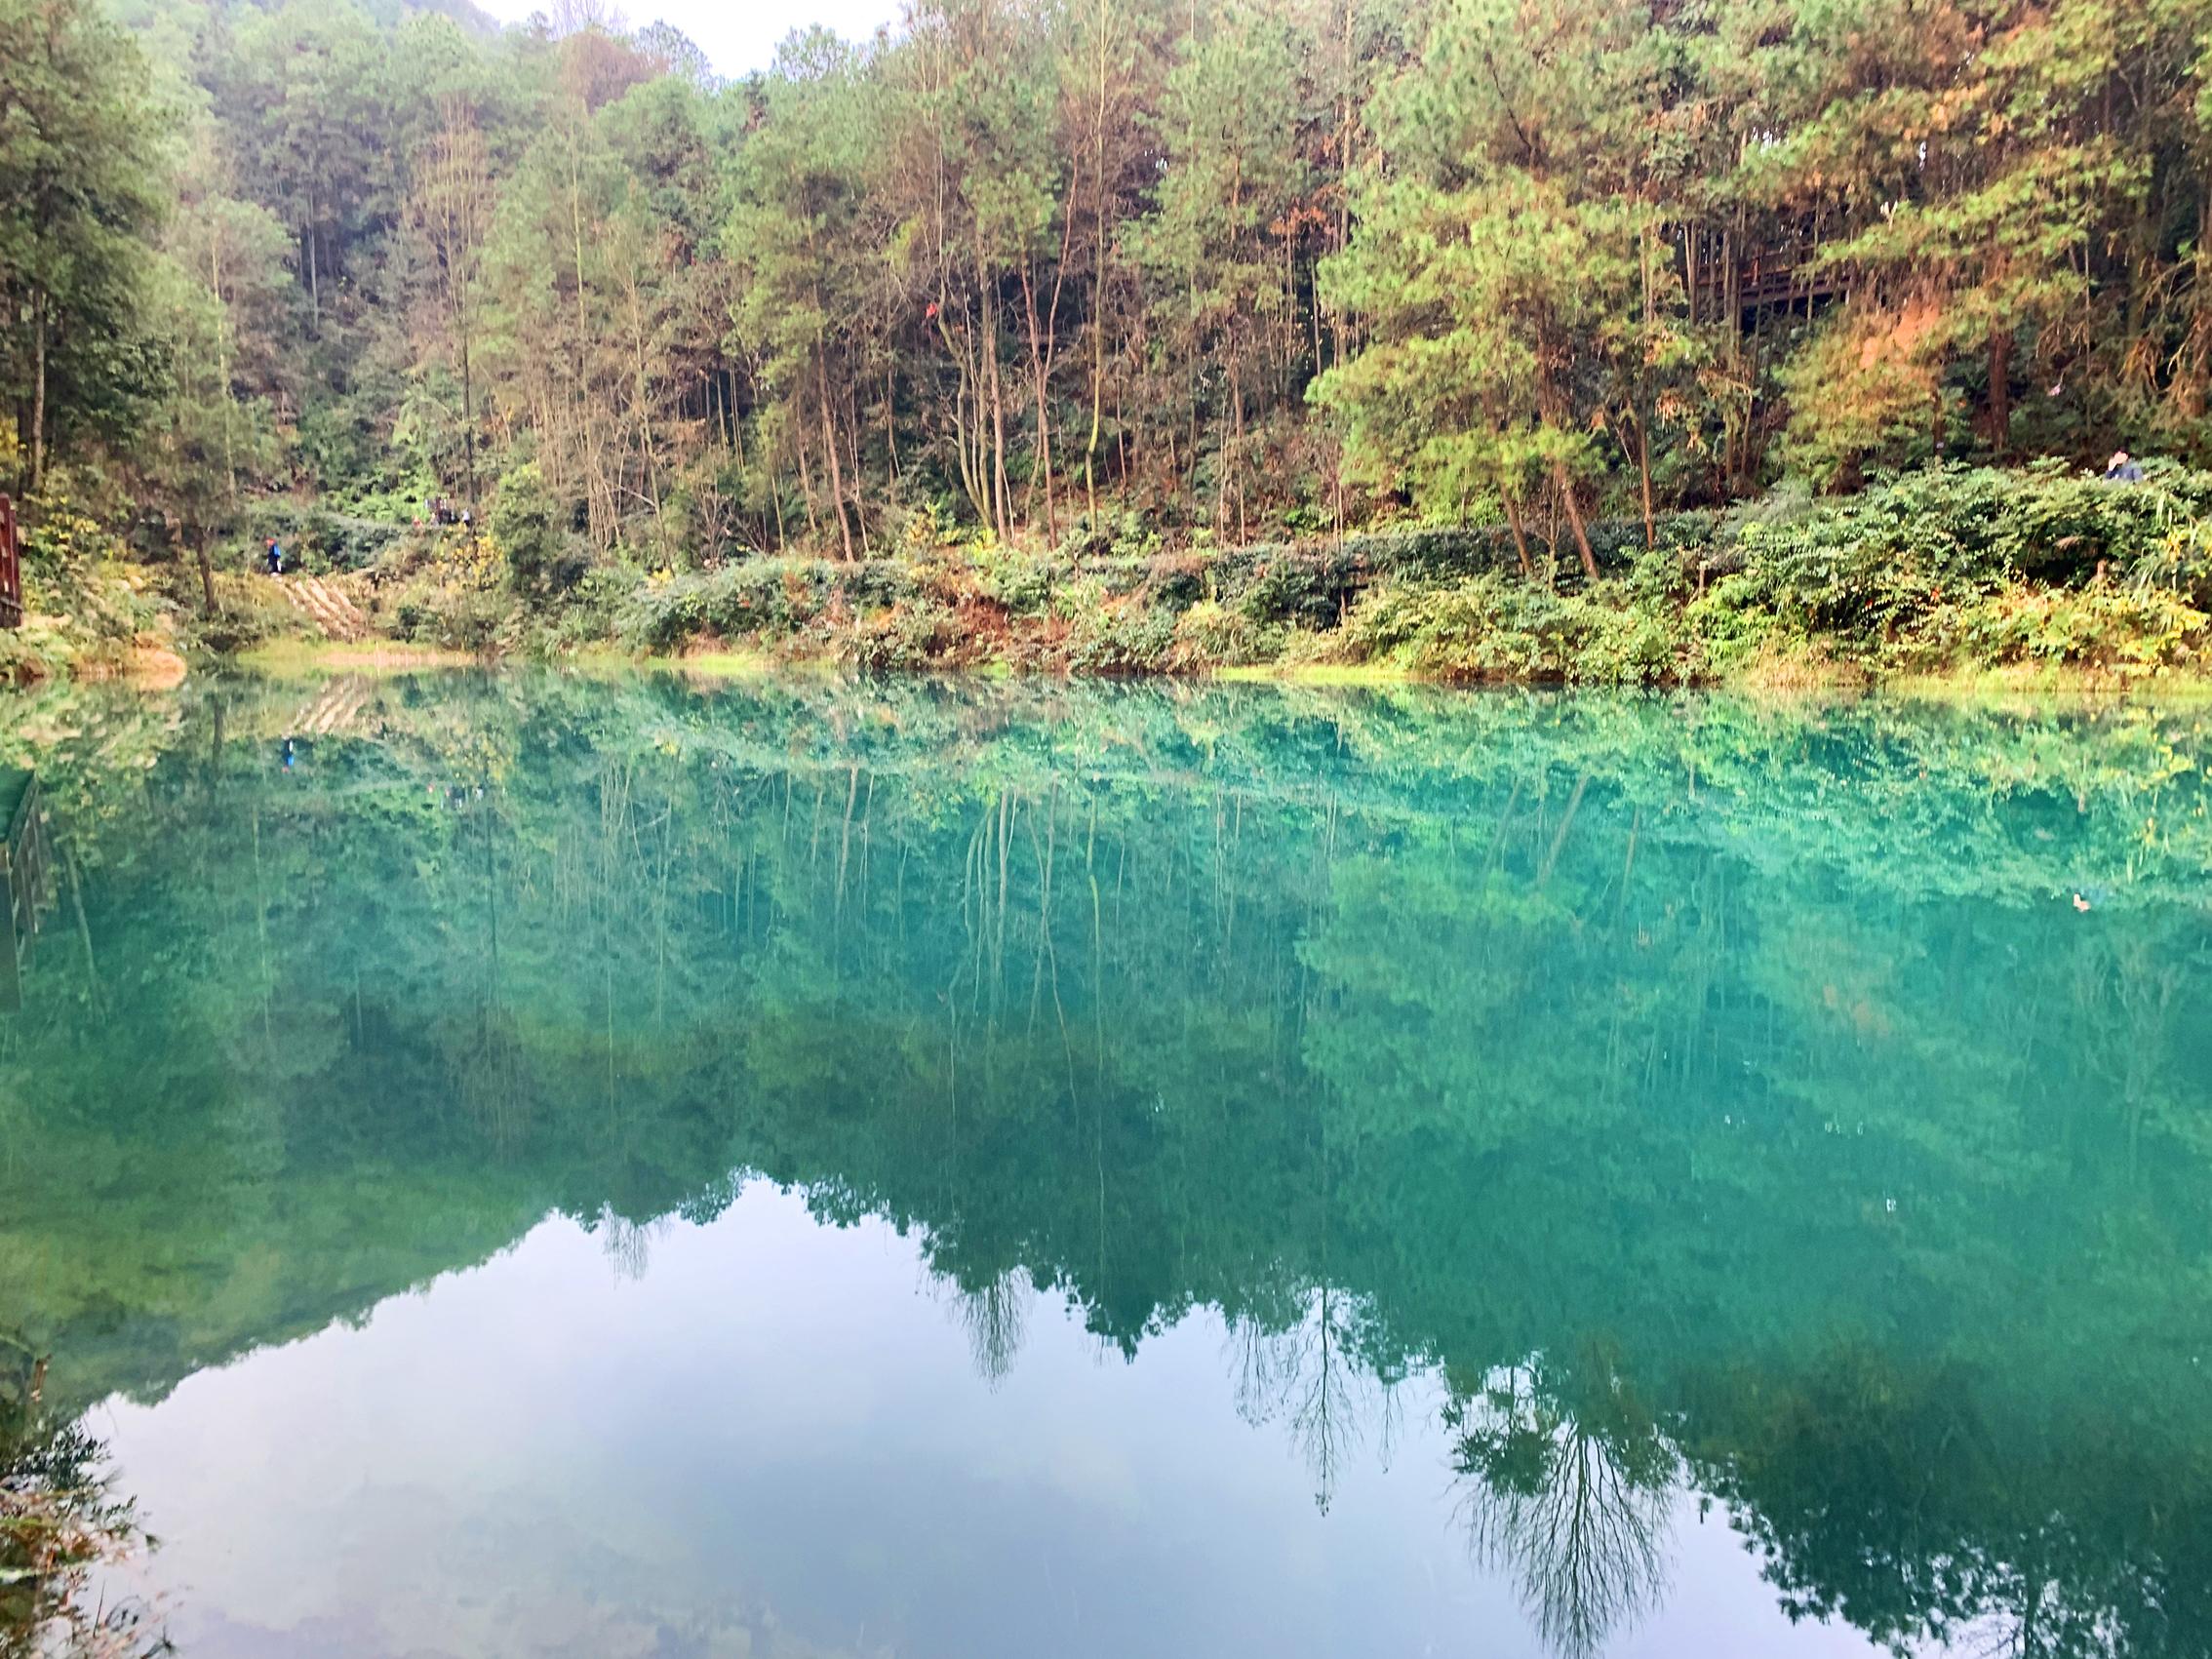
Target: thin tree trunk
(595,484)
(314,275)
(852,451)
(806,488)
(1097,288)
(207,572)
(1641,456)
(1520,537)
(468,433)
(969,450)
(645,412)
(38,392)
(891,433)
(1566,485)
(1043,419)
(1237,439)
(2001,390)
(1548,404)
(1002,497)
(829,443)
(222,362)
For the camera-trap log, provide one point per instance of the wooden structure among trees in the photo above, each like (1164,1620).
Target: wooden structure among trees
(1723,279)
(10,567)
(25,879)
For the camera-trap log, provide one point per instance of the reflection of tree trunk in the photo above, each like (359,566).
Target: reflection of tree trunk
(1044,857)
(1097,947)
(844,835)
(999,932)
(84,929)
(1559,841)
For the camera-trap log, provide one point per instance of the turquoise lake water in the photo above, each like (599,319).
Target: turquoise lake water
(534,1166)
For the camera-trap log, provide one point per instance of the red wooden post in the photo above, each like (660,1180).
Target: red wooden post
(10,567)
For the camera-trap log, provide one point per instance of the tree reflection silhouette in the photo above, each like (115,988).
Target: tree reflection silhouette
(995,1315)
(1412,1037)
(1572,1496)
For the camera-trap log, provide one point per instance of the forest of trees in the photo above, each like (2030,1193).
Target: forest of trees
(1119,272)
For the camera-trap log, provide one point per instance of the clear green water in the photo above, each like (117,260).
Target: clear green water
(595,1168)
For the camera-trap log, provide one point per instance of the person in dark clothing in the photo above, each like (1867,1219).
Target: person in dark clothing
(276,558)
(2123,468)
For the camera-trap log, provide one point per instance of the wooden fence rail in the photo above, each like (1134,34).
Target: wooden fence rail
(10,567)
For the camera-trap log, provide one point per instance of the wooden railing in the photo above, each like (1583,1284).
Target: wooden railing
(26,887)
(10,567)
(1771,276)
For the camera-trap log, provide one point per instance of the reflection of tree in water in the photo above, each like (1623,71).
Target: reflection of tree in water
(1214,1003)
(628,1245)
(996,1317)
(1976,1605)
(490,1075)
(1873,1492)
(2040,1625)
(1571,1493)
(1314,1373)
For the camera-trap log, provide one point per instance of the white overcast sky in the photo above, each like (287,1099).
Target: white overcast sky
(738,35)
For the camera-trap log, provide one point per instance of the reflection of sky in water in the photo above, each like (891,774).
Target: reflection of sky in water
(1725,1099)
(775,1442)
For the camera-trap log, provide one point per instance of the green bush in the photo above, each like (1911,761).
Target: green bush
(1125,637)
(1492,627)
(543,558)
(2127,630)
(918,633)
(85,599)
(1019,583)
(765,599)
(1210,636)
(1873,561)
(454,616)
(247,613)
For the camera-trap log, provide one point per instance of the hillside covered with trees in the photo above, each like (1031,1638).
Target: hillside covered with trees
(1088,279)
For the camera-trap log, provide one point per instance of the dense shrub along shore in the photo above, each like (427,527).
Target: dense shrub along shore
(1939,571)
